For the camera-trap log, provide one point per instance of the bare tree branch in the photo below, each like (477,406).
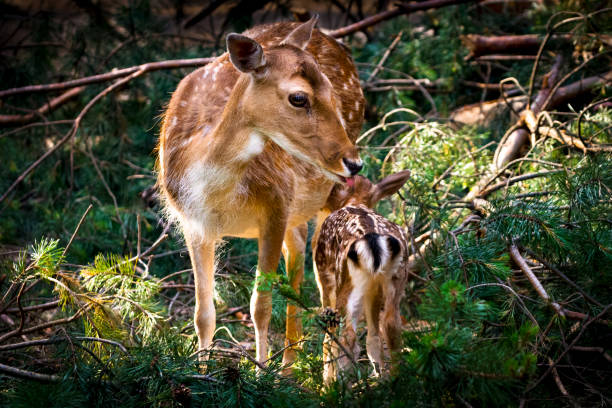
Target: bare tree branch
(28,375)
(114,74)
(43,110)
(402,8)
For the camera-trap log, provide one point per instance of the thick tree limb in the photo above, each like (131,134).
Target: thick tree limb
(485,45)
(516,140)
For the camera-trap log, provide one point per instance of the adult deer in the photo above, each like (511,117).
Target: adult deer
(362,267)
(251,146)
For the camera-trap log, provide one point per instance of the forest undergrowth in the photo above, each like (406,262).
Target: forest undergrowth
(509,200)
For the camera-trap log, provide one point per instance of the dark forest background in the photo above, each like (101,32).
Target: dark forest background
(501,109)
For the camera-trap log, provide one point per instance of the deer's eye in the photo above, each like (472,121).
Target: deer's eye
(298,99)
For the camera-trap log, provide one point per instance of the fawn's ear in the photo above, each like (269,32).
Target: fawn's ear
(245,54)
(301,35)
(389,185)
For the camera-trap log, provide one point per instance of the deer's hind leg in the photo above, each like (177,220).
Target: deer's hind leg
(294,248)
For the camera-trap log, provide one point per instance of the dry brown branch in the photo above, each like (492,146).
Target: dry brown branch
(513,180)
(202,14)
(42,325)
(114,74)
(404,82)
(564,277)
(600,350)
(76,230)
(42,306)
(385,56)
(41,342)
(522,264)
(559,383)
(484,45)
(37,124)
(43,110)
(503,57)
(28,375)
(561,311)
(488,87)
(570,314)
(402,8)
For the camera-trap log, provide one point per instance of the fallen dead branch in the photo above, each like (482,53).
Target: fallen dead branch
(480,45)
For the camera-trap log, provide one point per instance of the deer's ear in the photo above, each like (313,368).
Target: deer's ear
(301,35)
(245,54)
(389,185)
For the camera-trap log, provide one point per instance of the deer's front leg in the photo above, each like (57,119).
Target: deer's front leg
(270,243)
(202,255)
(294,248)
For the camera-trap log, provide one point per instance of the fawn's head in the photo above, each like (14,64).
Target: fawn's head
(363,191)
(289,100)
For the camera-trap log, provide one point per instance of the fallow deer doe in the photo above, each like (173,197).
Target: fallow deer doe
(362,267)
(250,147)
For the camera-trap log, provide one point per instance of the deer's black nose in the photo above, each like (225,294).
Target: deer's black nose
(353,167)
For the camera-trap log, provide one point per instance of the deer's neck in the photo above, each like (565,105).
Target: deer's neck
(220,159)
(234,141)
